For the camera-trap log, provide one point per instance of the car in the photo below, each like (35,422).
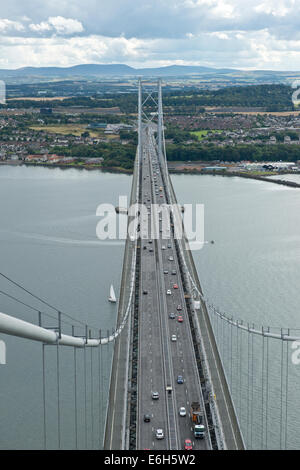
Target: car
(182,411)
(159,434)
(175,286)
(166,271)
(145,292)
(151,250)
(155,395)
(163,247)
(169,292)
(171,258)
(150,241)
(179,307)
(173,338)
(180,319)
(172,315)
(169,245)
(173,272)
(188,444)
(180,379)
(147,418)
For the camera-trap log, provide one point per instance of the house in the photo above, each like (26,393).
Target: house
(54,159)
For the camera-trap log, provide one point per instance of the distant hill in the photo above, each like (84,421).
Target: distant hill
(117,70)
(94,71)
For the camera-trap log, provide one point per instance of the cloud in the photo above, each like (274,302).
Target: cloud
(221,33)
(8,25)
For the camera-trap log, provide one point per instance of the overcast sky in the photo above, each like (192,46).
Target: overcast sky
(251,34)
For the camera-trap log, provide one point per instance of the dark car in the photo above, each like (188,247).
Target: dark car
(145,292)
(147,418)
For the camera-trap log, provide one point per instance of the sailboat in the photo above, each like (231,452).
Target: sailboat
(112,296)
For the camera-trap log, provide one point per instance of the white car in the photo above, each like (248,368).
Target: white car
(169,292)
(163,247)
(159,434)
(173,338)
(182,411)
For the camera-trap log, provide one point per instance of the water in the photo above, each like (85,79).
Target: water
(48,244)
(252,273)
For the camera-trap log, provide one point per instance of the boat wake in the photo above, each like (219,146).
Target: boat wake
(49,240)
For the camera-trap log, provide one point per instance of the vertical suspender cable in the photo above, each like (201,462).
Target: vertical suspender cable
(248,385)
(240,374)
(252,389)
(85,399)
(262,388)
(101,389)
(92,400)
(75,398)
(58,396)
(281,391)
(44,397)
(231,357)
(99,399)
(237,366)
(286,392)
(267,388)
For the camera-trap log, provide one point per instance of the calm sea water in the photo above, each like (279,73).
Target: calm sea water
(48,243)
(252,273)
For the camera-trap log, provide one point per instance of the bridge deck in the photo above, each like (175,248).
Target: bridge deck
(154,361)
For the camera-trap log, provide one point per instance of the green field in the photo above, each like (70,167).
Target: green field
(202,134)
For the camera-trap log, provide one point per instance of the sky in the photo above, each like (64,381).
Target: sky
(256,34)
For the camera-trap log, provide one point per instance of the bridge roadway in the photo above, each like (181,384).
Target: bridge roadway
(161,360)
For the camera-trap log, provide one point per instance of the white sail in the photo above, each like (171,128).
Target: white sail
(112,295)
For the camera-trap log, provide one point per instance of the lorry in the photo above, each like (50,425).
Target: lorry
(196,413)
(197,419)
(199,431)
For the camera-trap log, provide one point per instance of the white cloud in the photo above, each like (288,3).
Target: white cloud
(8,25)
(58,24)
(220,35)
(279,8)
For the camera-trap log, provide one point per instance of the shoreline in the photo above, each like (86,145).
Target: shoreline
(282,182)
(185,171)
(70,165)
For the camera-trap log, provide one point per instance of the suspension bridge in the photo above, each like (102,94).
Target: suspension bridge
(170,347)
